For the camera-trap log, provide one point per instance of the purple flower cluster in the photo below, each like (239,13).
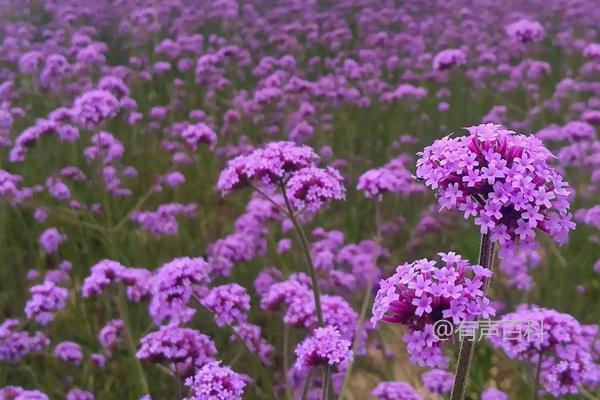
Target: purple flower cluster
(438,381)
(106,272)
(503,180)
(184,349)
(230,303)
(110,334)
(69,352)
(393,177)
(46,299)
(324,347)
(421,294)
(525,30)
(79,394)
(50,239)
(493,394)
(173,286)
(18,393)
(15,344)
(566,348)
(215,382)
(448,58)
(395,391)
(163,221)
(95,106)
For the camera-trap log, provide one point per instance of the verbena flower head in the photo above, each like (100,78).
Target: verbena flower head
(421,294)
(69,352)
(46,298)
(230,303)
(79,394)
(16,344)
(95,106)
(110,334)
(173,286)
(215,382)
(393,177)
(311,188)
(268,166)
(502,179)
(184,349)
(324,347)
(525,30)
(50,239)
(395,391)
(18,393)
(438,381)
(568,355)
(493,394)
(448,58)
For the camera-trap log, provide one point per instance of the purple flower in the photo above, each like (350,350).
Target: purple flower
(502,178)
(173,286)
(311,188)
(420,294)
(110,333)
(199,133)
(46,299)
(493,394)
(438,381)
(448,58)
(214,382)
(79,394)
(230,303)
(396,391)
(184,349)
(268,166)
(324,347)
(391,178)
(18,393)
(50,239)
(69,352)
(525,30)
(95,106)
(566,347)
(16,344)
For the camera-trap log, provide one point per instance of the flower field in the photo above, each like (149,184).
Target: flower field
(299,199)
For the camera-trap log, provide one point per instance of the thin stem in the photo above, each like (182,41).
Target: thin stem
(536,384)
(122,309)
(325,384)
(309,262)
(467,347)
(286,362)
(178,388)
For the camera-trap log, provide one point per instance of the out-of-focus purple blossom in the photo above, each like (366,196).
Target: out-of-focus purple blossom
(68,352)
(448,58)
(110,334)
(50,239)
(46,299)
(396,391)
(438,381)
(393,177)
(79,394)
(525,30)
(493,394)
(95,106)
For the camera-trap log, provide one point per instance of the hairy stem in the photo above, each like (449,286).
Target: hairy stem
(465,355)
(326,382)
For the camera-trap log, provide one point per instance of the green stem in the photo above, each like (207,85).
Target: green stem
(306,250)
(286,362)
(123,314)
(467,347)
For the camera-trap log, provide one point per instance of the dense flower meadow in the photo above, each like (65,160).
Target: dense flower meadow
(250,199)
